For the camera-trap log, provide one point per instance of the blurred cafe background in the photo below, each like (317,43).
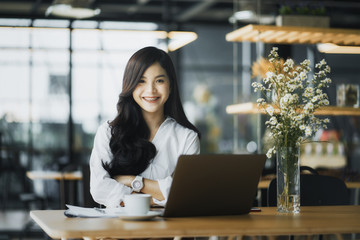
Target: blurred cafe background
(61,66)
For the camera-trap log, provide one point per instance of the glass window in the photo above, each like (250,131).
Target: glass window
(50,86)
(35,76)
(51,38)
(86,39)
(85,24)
(129,25)
(14,90)
(51,23)
(128,40)
(14,37)
(15,22)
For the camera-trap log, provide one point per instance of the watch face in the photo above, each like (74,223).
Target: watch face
(137,184)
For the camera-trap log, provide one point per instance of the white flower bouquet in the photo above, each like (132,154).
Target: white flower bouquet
(290,99)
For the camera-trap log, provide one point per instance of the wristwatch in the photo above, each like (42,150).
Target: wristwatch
(137,184)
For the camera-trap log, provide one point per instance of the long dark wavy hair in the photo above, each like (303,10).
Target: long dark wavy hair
(129,142)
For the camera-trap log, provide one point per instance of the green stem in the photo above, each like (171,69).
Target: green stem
(288,168)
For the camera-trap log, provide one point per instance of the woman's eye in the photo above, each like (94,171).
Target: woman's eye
(160,80)
(141,81)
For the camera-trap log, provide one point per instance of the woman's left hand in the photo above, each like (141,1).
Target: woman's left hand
(150,186)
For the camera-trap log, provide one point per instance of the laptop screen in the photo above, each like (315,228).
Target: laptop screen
(218,184)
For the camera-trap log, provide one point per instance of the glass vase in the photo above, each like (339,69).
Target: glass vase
(288,179)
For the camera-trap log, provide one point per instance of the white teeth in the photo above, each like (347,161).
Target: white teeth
(151,99)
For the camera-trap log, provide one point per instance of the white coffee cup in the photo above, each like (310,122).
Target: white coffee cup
(137,204)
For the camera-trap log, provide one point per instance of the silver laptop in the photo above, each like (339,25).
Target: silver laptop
(210,185)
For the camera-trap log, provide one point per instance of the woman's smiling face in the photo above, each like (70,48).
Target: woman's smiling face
(153,90)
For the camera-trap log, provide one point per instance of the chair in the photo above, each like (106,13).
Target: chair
(10,167)
(87,198)
(315,190)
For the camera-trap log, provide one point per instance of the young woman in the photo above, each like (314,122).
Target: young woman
(137,151)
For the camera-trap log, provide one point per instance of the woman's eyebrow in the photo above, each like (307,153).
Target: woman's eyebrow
(161,75)
(158,76)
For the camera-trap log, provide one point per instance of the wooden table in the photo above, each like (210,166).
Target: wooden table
(311,220)
(56,175)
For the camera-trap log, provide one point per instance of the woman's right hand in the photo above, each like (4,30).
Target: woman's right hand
(125,179)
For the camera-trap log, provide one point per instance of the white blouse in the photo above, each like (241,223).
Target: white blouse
(171,141)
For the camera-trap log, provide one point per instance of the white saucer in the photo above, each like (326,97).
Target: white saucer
(149,215)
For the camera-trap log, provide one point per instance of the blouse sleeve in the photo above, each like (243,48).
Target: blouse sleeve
(104,189)
(192,146)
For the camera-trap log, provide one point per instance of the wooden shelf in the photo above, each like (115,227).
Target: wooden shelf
(294,35)
(252,108)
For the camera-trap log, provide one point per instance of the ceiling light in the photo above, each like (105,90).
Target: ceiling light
(336,49)
(129,25)
(250,16)
(78,9)
(241,15)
